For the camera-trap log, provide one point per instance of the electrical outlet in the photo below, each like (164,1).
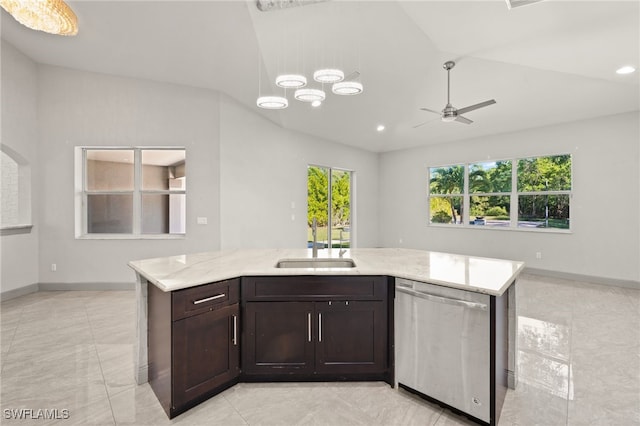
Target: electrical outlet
(201,220)
(54,267)
(538,255)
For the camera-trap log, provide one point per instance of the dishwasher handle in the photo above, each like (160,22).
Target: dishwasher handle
(441,299)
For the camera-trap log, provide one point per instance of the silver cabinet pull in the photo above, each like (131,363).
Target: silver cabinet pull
(197,302)
(319,327)
(235,330)
(309,325)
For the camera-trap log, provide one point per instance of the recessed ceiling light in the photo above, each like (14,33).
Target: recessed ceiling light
(380,127)
(316,103)
(625,70)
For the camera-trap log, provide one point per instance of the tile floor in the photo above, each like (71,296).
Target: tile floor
(579,364)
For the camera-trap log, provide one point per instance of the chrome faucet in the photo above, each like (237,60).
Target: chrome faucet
(314,232)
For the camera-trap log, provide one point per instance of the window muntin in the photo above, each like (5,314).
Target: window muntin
(533,193)
(134,191)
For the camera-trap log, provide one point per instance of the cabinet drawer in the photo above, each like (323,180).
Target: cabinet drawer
(314,288)
(203,298)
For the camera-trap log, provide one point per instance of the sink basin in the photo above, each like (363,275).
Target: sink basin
(315,263)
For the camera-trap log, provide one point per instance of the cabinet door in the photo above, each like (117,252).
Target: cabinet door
(205,353)
(352,337)
(278,338)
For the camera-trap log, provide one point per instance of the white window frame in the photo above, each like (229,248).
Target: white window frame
(513,212)
(352,207)
(81,195)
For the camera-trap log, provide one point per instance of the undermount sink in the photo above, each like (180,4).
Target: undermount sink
(315,263)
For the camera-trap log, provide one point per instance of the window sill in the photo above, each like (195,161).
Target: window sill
(131,237)
(503,228)
(15,229)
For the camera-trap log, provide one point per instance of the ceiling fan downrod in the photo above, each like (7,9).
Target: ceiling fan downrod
(448,66)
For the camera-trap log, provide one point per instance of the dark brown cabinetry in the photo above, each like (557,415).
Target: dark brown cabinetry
(193,343)
(315,328)
(278,336)
(352,337)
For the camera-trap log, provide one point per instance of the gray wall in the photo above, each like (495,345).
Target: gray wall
(86,109)
(245,173)
(605,237)
(19,83)
(264,171)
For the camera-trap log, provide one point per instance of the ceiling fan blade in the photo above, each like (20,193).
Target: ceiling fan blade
(464,120)
(430,110)
(426,122)
(476,106)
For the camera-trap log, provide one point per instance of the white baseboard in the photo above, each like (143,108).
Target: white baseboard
(32,288)
(17,292)
(105,286)
(615,282)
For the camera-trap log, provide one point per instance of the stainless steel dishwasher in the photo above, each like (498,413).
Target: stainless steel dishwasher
(443,345)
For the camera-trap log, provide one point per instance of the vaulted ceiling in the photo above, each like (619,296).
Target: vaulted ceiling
(545,63)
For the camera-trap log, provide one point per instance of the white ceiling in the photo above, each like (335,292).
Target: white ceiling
(546,63)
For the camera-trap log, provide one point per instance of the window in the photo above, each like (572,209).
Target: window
(329,202)
(530,193)
(446,187)
(544,192)
(490,193)
(15,192)
(133,191)
(10,190)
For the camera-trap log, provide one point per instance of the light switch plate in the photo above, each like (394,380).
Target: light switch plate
(201,220)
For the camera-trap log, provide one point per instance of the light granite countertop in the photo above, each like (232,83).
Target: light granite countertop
(477,274)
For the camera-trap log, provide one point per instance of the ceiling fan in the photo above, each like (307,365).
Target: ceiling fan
(450,113)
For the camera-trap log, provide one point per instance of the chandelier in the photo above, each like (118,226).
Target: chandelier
(340,85)
(50,16)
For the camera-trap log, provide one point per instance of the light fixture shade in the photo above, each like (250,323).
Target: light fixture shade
(291,81)
(50,16)
(309,95)
(328,75)
(347,88)
(272,102)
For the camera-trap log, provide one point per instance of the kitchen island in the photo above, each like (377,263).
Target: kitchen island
(175,295)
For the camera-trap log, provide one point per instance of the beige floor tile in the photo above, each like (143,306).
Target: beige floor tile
(579,363)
